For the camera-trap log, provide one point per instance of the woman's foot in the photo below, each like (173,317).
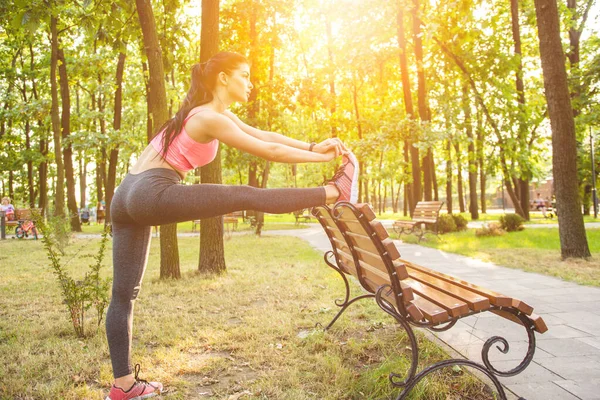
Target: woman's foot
(140,390)
(346,179)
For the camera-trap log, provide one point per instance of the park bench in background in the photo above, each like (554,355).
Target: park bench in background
(415,295)
(230,221)
(303,215)
(21,215)
(426,215)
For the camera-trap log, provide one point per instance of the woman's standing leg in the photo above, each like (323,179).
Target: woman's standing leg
(131,244)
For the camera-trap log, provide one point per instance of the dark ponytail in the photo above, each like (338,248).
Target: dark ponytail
(203,81)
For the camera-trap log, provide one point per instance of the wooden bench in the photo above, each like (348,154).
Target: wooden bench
(426,215)
(413,294)
(22,214)
(230,221)
(303,215)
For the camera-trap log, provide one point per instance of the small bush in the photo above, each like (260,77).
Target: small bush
(460,221)
(493,229)
(446,223)
(79,296)
(512,222)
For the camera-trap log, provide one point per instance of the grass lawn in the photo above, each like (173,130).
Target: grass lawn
(272,222)
(533,249)
(204,337)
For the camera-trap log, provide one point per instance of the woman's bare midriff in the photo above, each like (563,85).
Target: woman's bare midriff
(151,159)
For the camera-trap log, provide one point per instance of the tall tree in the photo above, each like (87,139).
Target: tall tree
(473,209)
(59,199)
(65,95)
(415,190)
(573,241)
(212,253)
(158,113)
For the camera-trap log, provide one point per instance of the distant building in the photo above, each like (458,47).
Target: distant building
(545,188)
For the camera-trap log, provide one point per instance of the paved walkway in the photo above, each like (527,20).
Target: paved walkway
(566,364)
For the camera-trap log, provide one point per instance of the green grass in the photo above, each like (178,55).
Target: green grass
(249,329)
(533,249)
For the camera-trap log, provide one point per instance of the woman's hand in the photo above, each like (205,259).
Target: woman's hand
(329,155)
(334,144)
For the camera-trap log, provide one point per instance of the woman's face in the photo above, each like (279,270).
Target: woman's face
(4,202)
(239,85)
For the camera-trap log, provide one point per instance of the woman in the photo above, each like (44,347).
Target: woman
(9,209)
(152,195)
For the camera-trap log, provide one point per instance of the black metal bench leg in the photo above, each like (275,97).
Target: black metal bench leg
(412,378)
(346,302)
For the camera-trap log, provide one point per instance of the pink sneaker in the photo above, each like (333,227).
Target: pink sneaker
(346,179)
(140,390)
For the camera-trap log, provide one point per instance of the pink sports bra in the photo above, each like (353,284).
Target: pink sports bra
(184,153)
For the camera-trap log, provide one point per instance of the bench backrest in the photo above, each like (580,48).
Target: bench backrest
(427,211)
(26,213)
(362,248)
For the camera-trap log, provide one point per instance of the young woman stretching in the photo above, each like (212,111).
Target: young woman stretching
(151,193)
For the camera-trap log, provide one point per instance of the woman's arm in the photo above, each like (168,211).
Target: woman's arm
(218,126)
(274,137)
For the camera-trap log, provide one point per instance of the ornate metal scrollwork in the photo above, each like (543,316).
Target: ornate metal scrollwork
(338,302)
(506,347)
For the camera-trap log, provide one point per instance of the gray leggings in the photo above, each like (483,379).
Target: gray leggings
(155,197)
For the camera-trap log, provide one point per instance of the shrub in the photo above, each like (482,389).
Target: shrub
(460,221)
(79,296)
(493,229)
(446,223)
(512,222)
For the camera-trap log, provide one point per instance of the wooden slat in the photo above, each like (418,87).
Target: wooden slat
(366,243)
(475,301)
(496,299)
(400,269)
(522,306)
(346,262)
(362,241)
(452,305)
(366,209)
(538,323)
(414,312)
(371,258)
(432,312)
(380,230)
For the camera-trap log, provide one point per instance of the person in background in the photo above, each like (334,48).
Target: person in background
(8,209)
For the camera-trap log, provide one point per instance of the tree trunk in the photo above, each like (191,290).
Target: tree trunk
(416,190)
(449,175)
(473,209)
(573,241)
(82,179)
(68,150)
(523,143)
(422,98)
(114,153)
(436,195)
(481,162)
(459,189)
(158,112)
(59,198)
(212,254)
(43,145)
(332,105)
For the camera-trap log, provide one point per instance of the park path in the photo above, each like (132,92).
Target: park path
(566,364)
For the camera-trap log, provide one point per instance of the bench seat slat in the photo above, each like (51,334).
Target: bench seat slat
(475,301)
(496,299)
(452,305)
(538,323)
(432,312)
